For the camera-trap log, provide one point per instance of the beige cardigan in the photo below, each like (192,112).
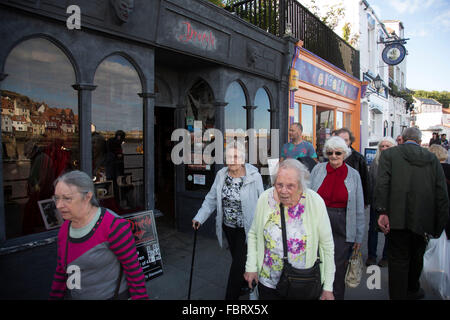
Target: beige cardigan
(318,230)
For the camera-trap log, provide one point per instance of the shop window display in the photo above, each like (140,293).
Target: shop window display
(117,136)
(199,175)
(40,136)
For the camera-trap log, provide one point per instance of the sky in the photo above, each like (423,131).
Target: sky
(427,25)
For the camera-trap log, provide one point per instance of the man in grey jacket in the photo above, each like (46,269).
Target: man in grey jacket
(412,202)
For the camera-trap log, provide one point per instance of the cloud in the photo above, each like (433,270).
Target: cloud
(418,33)
(411,6)
(443,20)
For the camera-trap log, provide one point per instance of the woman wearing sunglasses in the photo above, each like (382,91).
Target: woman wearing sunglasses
(340,187)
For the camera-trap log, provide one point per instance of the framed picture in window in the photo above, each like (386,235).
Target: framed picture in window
(51,216)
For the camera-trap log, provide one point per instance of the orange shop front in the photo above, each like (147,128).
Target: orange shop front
(323,98)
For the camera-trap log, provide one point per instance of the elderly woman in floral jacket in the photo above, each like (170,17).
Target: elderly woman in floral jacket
(308,233)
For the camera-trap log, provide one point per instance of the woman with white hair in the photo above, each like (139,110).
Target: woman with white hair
(233,196)
(308,233)
(340,187)
(372,239)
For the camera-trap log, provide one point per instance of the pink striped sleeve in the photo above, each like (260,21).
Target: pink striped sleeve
(59,288)
(122,243)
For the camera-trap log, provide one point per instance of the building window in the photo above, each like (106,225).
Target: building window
(117,136)
(308,122)
(235,114)
(262,114)
(42,141)
(262,121)
(324,126)
(372,123)
(339,119)
(385,129)
(199,108)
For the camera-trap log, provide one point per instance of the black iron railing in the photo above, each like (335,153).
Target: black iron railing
(279,17)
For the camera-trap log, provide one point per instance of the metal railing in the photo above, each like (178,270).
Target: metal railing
(279,16)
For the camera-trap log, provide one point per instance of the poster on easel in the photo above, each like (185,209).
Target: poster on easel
(147,245)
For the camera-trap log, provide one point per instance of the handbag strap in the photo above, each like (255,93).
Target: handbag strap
(283,233)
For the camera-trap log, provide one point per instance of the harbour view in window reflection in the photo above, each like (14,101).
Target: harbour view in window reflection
(40,131)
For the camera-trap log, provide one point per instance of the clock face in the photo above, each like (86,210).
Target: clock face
(394,53)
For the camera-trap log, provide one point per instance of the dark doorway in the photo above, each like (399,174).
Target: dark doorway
(164,167)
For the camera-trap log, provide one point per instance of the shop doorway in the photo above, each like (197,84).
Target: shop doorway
(324,127)
(164,167)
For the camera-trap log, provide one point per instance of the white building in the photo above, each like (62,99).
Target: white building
(428,116)
(7,125)
(381,113)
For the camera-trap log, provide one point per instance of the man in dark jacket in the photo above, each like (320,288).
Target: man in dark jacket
(357,161)
(412,202)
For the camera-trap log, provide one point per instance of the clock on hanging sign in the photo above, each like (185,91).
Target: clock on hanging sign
(394,53)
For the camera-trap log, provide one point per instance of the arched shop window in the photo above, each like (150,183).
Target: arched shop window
(199,176)
(40,136)
(262,121)
(118,136)
(262,114)
(235,114)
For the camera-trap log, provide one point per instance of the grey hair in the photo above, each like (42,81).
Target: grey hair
(239,147)
(81,181)
(302,171)
(388,139)
(412,133)
(336,142)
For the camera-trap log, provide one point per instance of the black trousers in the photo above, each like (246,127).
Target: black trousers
(238,249)
(405,253)
(266,293)
(342,249)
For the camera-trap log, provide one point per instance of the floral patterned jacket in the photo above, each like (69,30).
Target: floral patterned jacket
(317,230)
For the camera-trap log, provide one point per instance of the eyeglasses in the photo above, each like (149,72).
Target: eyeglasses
(64,199)
(330,153)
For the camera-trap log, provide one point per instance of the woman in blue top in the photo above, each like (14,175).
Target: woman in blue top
(233,196)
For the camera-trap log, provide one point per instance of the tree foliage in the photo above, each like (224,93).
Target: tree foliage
(440,96)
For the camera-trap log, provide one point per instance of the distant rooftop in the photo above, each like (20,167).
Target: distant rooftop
(428,101)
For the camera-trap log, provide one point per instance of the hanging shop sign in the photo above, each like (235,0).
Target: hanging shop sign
(147,246)
(394,53)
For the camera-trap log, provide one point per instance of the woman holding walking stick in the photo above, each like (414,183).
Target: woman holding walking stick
(233,196)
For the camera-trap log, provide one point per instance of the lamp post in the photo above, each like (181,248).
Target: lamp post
(378,83)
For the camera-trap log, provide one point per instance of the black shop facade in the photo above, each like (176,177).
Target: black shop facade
(104,94)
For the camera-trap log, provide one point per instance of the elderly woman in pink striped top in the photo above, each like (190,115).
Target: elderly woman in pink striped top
(97,257)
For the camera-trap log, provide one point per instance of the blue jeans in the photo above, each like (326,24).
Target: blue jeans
(372,239)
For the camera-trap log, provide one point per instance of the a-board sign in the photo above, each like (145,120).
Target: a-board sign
(149,255)
(369,154)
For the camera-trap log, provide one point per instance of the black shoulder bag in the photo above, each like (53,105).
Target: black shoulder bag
(298,284)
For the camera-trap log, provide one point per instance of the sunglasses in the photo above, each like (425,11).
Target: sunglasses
(330,153)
